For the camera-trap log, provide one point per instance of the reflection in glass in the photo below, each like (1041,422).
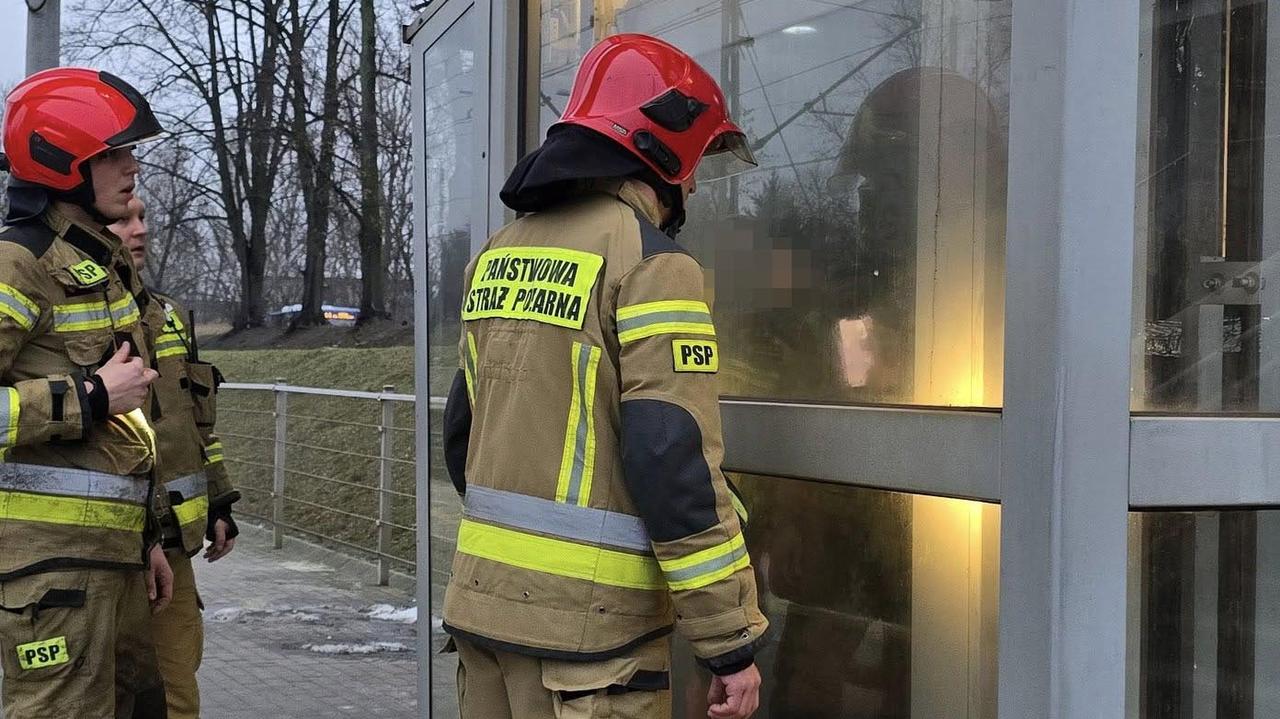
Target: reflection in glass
(1204,615)
(863,260)
(1206,223)
(882,605)
(448,69)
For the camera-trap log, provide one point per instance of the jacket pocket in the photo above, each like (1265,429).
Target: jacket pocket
(204,379)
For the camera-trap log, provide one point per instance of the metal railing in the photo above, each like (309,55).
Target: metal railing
(281,471)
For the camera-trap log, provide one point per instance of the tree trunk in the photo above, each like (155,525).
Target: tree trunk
(373,270)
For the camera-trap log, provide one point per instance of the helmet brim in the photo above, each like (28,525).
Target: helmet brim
(735,142)
(728,154)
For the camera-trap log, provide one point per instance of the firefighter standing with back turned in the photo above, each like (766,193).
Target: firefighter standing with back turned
(583,428)
(190,472)
(76,533)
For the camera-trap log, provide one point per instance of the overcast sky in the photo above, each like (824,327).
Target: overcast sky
(13,48)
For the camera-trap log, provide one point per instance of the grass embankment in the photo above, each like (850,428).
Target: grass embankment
(332,470)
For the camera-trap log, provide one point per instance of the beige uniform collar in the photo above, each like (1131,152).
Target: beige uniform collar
(641,201)
(60,223)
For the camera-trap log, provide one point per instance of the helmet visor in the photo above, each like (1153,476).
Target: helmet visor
(728,154)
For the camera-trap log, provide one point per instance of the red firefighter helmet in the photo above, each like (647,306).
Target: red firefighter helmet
(655,101)
(59,118)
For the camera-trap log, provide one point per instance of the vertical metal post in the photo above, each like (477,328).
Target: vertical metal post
(277,487)
(385,431)
(44,34)
(1065,444)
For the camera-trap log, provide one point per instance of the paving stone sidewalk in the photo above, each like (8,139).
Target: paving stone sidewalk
(299,632)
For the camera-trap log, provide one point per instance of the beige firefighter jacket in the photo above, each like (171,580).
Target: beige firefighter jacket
(584,432)
(190,469)
(74,492)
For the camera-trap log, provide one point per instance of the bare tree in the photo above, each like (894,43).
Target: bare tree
(372,267)
(315,165)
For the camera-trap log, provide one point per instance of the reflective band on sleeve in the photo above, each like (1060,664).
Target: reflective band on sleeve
(10,407)
(551,285)
(472,358)
(566,521)
(558,557)
(213,453)
(578,459)
(17,306)
(685,317)
(170,345)
(81,316)
(124,311)
(75,511)
(189,486)
(706,567)
(72,483)
(192,510)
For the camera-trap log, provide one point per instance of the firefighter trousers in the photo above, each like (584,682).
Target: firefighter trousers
(179,638)
(502,685)
(78,644)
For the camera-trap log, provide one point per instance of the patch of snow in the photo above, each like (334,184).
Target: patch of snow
(368,648)
(307,617)
(230,614)
(437,624)
(309,567)
(388,613)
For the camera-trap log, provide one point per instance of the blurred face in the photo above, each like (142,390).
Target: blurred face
(113,174)
(132,231)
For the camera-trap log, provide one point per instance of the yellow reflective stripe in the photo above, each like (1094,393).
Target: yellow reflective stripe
(81,316)
(10,407)
(170,345)
(472,358)
(558,557)
(173,319)
(74,511)
(192,510)
(707,566)
(689,317)
(632,311)
(213,453)
(578,458)
(124,311)
(18,306)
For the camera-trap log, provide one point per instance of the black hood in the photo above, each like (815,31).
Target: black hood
(570,157)
(28,200)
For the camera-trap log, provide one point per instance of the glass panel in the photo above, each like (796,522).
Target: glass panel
(1204,615)
(882,605)
(449,92)
(863,260)
(1206,286)
(448,102)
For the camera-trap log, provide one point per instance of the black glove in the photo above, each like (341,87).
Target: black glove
(223,513)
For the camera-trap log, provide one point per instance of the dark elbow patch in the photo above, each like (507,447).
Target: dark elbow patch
(666,473)
(457,432)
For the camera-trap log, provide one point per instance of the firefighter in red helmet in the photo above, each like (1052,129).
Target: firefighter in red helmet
(80,564)
(583,428)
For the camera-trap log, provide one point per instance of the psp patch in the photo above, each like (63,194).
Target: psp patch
(43,654)
(88,273)
(695,355)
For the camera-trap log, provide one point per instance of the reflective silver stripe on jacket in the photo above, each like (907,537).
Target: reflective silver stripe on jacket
(73,483)
(189,486)
(557,519)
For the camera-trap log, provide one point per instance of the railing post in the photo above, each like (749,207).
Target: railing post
(385,431)
(277,488)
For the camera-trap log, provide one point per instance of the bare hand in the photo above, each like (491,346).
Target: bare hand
(159,580)
(126,380)
(736,696)
(221,546)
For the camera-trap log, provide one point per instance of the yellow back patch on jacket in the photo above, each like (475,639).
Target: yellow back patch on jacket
(543,284)
(695,355)
(43,654)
